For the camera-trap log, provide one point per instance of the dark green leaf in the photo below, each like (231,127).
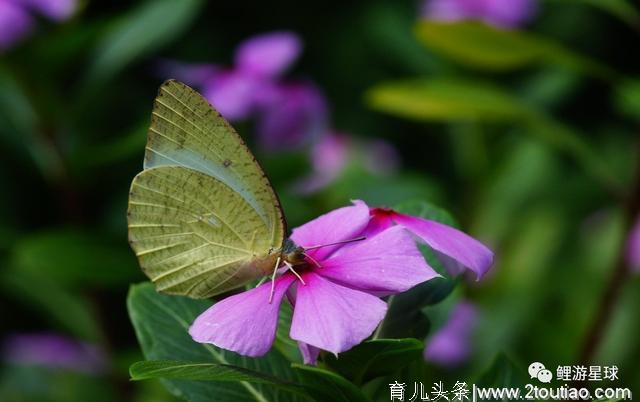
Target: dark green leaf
(148,27)
(375,358)
(57,304)
(28,383)
(88,259)
(503,373)
(162,322)
(19,127)
(180,370)
(628,99)
(326,386)
(621,9)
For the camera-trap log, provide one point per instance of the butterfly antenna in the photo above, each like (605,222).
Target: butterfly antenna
(336,243)
(293,271)
(273,280)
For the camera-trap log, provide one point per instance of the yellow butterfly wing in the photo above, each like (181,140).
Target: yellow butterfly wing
(203,217)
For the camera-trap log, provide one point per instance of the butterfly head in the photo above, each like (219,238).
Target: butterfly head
(292,253)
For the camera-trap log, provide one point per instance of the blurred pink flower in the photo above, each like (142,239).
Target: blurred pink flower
(451,345)
(16,21)
(501,13)
(380,157)
(288,114)
(331,154)
(292,115)
(337,306)
(53,351)
(329,157)
(633,247)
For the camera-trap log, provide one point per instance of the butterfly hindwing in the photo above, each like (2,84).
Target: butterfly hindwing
(194,235)
(203,217)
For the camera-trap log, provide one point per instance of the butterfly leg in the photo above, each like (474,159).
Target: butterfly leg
(290,267)
(273,280)
(313,260)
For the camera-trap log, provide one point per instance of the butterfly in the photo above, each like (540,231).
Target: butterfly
(203,217)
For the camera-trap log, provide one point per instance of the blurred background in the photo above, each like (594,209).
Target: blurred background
(520,118)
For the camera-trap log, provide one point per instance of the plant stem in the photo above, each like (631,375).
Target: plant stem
(621,271)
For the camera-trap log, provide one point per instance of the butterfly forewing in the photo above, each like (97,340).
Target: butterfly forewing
(186,131)
(203,218)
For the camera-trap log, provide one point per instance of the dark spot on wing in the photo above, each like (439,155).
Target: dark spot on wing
(226,163)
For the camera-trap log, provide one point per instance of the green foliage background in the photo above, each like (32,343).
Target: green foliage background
(530,139)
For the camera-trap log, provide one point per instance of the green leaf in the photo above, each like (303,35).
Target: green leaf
(56,304)
(326,386)
(446,100)
(627,99)
(621,9)
(283,343)
(161,323)
(487,47)
(116,150)
(19,127)
(375,358)
(32,383)
(148,27)
(404,316)
(88,259)
(180,370)
(502,373)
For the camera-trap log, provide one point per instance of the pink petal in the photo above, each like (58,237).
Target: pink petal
(309,353)
(233,93)
(338,225)
(333,317)
(330,154)
(15,24)
(268,55)
(291,115)
(57,10)
(633,247)
(451,242)
(329,157)
(381,219)
(387,263)
(451,345)
(244,323)
(192,74)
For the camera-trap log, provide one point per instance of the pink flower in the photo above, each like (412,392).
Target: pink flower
(451,345)
(337,305)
